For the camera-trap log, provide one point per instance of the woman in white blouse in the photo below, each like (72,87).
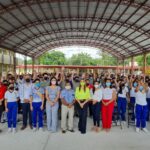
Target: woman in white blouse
(109,98)
(96,99)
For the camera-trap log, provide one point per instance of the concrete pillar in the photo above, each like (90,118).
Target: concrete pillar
(2,60)
(117,69)
(33,63)
(144,63)
(132,65)
(123,67)
(25,64)
(14,63)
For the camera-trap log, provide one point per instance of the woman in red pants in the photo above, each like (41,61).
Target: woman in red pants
(109,98)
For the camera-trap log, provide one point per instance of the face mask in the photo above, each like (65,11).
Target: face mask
(20,77)
(141,88)
(37,85)
(96,86)
(45,78)
(108,84)
(82,83)
(11,88)
(68,87)
(53,82)
(27,80)
(135,84)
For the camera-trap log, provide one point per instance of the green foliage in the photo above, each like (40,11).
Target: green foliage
(84,59)
(53,58)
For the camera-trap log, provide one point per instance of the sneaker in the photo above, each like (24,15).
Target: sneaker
(145,130)
(34,129)
(9,130)
(41,129)
(14,130)
(71,130)
(137,130)
(63,131)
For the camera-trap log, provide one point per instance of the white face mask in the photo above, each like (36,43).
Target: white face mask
(53,82)
(68,87)
(96,86)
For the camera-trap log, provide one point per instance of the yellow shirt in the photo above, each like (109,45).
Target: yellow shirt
(80,95)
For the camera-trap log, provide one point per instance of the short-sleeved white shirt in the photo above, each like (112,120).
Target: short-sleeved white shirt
(124,92)
(107,93)
(11,97)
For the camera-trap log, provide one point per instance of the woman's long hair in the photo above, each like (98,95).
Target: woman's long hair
(83,88)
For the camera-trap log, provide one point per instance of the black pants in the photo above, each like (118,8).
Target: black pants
(96,114)
(82,118)
(2,108)
(26,114)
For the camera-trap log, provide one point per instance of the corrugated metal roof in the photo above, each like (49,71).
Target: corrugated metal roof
(119,27)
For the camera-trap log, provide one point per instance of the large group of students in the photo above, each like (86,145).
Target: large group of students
(69,94)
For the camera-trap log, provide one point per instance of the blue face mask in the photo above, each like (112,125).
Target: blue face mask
(141,88)
(37,85)
(108,84)
(135,84)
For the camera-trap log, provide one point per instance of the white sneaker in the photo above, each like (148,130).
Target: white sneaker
(34,129)
(137,130)
(41,129)
(124,122)
(145,130)
(14,130)
(9,130)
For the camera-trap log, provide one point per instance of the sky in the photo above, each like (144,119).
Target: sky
(70,50)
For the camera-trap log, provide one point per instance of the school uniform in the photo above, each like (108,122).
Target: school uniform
(122,103)
(52,111)
(12,106)
(68,96)
(141,109)
(107,111)
(148,102)
(97,96)
(37,113)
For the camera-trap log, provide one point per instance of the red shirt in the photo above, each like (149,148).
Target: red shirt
(90,86)
(3,89)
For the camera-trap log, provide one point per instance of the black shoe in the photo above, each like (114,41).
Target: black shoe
(71,130)
(23,127)
(31,127)
(63,131)
(0,131)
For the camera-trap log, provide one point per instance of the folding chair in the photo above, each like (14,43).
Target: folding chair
(131,115)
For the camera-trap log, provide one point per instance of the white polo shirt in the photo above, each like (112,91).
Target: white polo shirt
(11,97)
(140,98)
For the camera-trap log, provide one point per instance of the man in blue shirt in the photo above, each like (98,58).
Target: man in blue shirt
(68,100)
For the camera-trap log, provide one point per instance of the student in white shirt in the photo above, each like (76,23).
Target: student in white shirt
(122,101)
(37,105)
(96,107)
(11,107)
(148,100)
(108,101)
(141,107)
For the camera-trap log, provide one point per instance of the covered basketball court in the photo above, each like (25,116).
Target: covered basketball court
(118,27)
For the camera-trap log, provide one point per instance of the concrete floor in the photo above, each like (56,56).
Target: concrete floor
(117,139)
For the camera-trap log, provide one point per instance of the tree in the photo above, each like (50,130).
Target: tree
(53,58)
(83,59)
